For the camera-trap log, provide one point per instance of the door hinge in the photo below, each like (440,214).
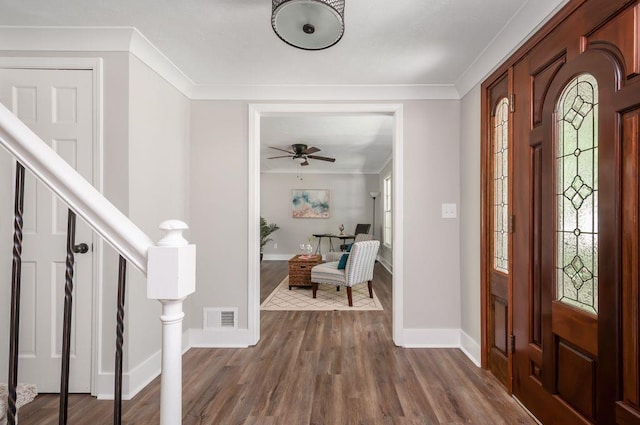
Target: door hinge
(512,223)
(512,103)
(512,344)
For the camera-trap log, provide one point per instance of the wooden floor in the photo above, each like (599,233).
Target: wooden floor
(333,368)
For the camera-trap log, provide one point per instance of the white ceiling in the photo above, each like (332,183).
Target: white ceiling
(391,44)
(231,42)
(359,142)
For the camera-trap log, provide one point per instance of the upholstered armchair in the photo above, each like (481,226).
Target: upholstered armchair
(336,255)
(358,269)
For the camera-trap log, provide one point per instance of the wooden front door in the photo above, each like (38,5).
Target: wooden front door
(565,303)
(574,273)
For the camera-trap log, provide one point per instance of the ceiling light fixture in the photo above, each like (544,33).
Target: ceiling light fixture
(308,24)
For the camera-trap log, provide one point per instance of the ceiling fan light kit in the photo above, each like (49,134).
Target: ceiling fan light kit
(301,153)
(308,24)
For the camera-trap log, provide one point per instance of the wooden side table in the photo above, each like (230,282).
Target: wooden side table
(300,269)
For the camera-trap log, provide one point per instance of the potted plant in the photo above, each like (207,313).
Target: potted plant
(265,230)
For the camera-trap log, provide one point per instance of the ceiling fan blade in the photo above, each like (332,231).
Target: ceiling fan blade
(283,150)
(276,157)
(321,158)
(305,163)
(311,150)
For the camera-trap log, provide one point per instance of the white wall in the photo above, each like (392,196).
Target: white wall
(158,188)
(470,214)
(219,185)
(350,203)
(219,202)
(431,243)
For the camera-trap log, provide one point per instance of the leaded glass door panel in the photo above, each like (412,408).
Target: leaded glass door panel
(576,176)
(498,241)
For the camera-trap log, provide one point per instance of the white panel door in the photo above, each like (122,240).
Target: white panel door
(58,106)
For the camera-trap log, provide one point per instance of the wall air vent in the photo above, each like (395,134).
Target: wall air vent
(220,317)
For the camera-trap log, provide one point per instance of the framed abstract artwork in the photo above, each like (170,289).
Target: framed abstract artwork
(310,203)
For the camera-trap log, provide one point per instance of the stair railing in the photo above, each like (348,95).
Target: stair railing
(169,266)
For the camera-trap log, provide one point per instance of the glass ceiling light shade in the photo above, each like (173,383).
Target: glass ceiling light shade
(308,24)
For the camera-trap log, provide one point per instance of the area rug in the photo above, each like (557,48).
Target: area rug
(327,298)
(24,394)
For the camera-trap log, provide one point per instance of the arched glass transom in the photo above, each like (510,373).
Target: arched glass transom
(500,154)
(577,194)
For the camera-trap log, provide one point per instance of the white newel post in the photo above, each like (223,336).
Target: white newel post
(171,277)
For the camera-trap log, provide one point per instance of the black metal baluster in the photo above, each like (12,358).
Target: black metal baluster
(66,324)
(16,277)
(117,396)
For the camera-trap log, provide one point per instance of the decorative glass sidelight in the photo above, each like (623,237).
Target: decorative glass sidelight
(577,194)
(500,155)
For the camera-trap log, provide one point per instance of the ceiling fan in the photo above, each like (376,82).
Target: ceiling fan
(301,152)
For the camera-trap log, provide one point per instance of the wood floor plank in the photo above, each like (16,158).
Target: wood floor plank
(261,420)
(321,368)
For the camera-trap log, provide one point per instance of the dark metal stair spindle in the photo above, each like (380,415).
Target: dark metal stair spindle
(16,277)
(66,326)
(117,396)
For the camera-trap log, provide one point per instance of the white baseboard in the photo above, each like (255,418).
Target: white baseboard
(443,338)
(219,338)
(470,347)
(133,381)
(140,376)
(386,264)
(431,338)
(104,386)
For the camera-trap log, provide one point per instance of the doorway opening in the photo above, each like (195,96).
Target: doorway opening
(259,111)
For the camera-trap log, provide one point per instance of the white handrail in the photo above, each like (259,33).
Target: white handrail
(71,187)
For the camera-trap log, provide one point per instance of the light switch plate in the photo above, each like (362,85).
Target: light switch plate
(449,211)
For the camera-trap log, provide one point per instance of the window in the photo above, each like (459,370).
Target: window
(501,187)
(577,194)
(387,236)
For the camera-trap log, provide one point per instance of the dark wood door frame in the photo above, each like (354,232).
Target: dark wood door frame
(496,285)
(609,26)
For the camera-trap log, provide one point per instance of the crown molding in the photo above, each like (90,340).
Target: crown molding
(527,20)
(386,163)
(327,92)
(95,39)
(150,55)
